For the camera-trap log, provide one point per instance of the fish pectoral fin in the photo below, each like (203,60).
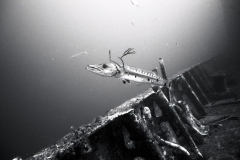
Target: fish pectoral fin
(126,81)
(139,84)
(155,71)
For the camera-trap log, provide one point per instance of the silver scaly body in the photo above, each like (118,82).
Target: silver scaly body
(126,73)
(142,76)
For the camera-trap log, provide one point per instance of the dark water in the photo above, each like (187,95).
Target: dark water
(43,92)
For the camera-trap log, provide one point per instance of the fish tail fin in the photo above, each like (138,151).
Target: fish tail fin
(155,88)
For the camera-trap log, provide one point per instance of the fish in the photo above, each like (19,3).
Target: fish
(128,74)
(135,3)
(78,54)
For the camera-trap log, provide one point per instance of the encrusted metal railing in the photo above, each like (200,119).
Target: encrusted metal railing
(147,127)
(153,125)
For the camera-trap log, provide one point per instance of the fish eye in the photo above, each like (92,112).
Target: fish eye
(104,66)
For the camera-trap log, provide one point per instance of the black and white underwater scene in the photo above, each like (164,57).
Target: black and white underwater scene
(120,79)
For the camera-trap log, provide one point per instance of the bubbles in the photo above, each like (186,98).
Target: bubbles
(72,128)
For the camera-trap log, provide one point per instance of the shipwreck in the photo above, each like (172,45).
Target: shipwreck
(176,122)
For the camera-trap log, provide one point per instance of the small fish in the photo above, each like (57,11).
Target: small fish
(135,3)
(78,54)
(132,23)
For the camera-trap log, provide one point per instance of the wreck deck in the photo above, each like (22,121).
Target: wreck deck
(109,136)
(223,142)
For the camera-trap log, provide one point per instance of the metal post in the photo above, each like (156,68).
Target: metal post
(164,75)
(163,71)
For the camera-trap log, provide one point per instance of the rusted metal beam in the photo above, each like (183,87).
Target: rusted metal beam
(162,68)
(148,126)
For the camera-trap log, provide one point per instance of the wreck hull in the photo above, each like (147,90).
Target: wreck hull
(129,132)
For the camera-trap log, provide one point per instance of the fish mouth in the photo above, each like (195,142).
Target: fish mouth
(94,69)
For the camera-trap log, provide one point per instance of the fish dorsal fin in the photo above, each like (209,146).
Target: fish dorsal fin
(155,71)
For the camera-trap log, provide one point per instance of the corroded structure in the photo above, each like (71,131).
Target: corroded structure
(152,125)
(147,126)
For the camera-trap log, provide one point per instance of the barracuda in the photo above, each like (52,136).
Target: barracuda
(126,73)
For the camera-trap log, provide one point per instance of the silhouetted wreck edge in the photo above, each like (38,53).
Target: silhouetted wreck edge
(147,126)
